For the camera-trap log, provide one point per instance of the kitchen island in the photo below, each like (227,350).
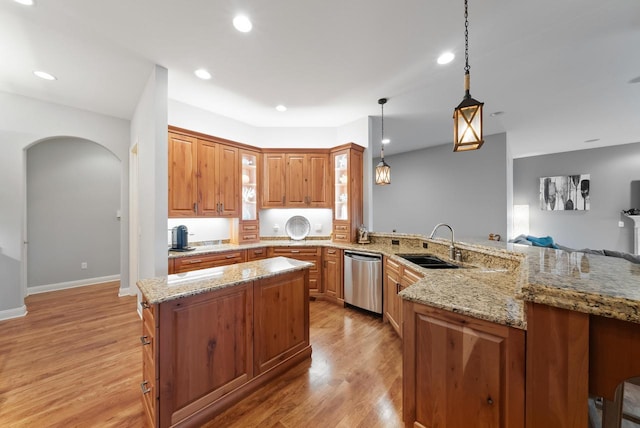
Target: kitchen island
(212,336)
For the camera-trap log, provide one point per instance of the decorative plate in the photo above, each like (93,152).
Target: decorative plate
(297,227)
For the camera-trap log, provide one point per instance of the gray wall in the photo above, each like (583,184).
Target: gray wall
(73,193)
(467,190)
(612,170)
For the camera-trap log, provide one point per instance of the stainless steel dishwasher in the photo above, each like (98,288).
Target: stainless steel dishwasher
(363,280)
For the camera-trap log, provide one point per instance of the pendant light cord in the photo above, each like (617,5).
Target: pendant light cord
(466,37)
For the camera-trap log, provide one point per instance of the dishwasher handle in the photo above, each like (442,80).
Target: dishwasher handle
(363,257)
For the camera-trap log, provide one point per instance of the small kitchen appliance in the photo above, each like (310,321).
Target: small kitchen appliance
(180,239)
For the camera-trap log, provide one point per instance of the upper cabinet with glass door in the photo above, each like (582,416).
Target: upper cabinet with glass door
(346,172)
(249,185)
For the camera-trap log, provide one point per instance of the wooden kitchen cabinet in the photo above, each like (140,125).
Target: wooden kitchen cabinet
(460,371)
(246,228)
(204,176)
(256,254)
(307,254)
(396,278)
(183,188)
(332,274)
(281,319)
(296,179)
(346,177)
(204,261)
(205,352)
(392,303)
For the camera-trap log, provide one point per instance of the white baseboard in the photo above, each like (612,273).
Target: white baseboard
(71,284)
(7,314)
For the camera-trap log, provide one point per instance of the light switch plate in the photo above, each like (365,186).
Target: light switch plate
(621,223)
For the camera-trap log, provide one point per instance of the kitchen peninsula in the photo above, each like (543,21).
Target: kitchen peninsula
(523,318)
(212,336)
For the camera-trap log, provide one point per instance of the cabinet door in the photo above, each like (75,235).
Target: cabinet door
(203,357)
(461,371)
(317,181)
(207,179)
(296,179)
(391,301)
(332,275)
(182,175)
(228,181)
(273,184)
(281,318)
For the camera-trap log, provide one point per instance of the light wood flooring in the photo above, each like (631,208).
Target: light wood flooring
(74,361)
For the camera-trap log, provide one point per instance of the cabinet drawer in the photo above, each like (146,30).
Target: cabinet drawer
(249,227)
(256,254)
(409,277)
(341,227)
(286,251)
(148,341)
(249,237)
(393,266)
(186,264)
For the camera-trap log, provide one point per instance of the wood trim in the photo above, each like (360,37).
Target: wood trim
(348,146)
(614,354)
(211,138)
(557,367)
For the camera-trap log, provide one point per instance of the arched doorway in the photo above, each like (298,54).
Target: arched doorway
(73,214)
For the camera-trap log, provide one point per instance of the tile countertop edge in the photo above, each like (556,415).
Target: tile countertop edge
(156,290)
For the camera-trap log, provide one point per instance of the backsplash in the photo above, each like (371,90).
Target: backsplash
(319,218)
(201,229)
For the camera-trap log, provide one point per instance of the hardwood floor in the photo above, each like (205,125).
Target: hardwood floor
(74,361)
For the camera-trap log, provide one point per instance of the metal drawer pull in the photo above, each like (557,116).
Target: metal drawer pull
(249,228)
(195,261)
(295,251)
(144,341)
(230,256)
(143,387)
(144,304)
(247,237)
(331,251)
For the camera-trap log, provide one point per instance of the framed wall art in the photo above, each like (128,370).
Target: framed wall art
(565,193)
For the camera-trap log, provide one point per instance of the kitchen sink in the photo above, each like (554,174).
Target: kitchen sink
(427,261)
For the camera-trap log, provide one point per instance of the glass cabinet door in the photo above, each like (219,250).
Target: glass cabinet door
(341,197)
(249,186)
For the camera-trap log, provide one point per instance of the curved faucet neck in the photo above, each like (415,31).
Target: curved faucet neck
(433,232)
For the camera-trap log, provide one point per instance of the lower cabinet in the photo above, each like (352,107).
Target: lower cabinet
(204,353)
(256,254)
(332,274)
(396,278)
(307,254)
(459,371)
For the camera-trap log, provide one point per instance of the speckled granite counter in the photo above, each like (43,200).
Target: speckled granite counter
(499,277)
(162,289)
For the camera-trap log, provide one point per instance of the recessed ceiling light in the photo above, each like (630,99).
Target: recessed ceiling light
(496,113)
(242,24)
(281,108)
(386,141)
(593,140)
(203,74)
(25,2)
(44,75)
(446,58)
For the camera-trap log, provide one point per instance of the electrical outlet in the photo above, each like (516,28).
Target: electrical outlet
(425,245)
(83,265)
(621,223)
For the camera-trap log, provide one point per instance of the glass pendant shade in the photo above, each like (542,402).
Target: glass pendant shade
(467,125)
(383,173)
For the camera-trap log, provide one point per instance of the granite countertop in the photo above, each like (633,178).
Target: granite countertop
(497,277)
(162,289)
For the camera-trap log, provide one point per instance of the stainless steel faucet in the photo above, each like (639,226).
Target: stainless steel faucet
(452,248)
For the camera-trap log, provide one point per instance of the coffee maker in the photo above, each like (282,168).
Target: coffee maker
(180,239)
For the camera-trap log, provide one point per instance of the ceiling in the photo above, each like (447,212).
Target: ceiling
(562,71)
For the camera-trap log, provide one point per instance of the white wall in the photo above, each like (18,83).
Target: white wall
(25,121)
(149,132)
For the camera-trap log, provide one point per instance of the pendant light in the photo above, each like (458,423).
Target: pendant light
(467,117)
(383,170)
